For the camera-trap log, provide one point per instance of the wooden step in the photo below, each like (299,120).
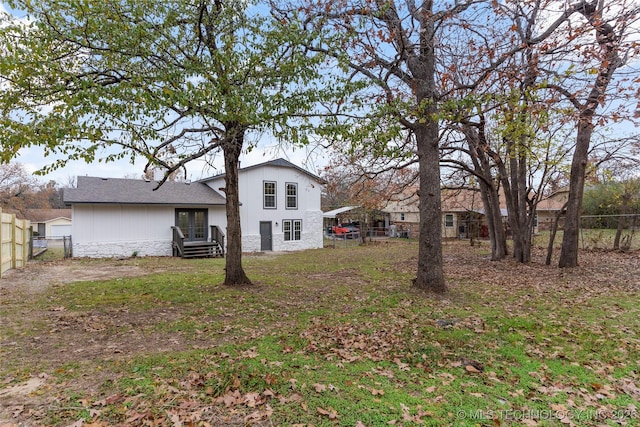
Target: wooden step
(202,250)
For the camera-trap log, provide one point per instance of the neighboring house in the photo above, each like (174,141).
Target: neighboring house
(280,210)
(463,212)
(404,217)
(549,207)
(50,223)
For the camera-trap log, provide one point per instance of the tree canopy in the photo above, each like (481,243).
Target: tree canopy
(159,79)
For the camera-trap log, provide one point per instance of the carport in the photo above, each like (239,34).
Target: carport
(331,218)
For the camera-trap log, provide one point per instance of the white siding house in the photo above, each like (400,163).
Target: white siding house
(50,223)
(280,207)
(280,210)
(121,217)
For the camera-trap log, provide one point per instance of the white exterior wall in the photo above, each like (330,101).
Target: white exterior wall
(252,211)
(409,217)
(450,232)
(52,228)
(121,230)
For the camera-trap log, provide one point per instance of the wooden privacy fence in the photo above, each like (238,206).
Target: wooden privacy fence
(15,237)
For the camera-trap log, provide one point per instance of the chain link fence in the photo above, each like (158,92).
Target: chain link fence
(610,232)
(370,234)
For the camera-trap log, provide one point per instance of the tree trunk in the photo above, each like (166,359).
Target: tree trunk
(569,250)
(521,233)
(622,220)
(234,273)
(525,213)
(515,190)
(552,234)
(479,151)
(616,239)
(494,222)
(430,275)
(608,40)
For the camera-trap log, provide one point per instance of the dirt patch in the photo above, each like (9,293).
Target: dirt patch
(22,389)
(39,276)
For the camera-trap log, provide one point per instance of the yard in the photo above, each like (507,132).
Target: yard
(326,337)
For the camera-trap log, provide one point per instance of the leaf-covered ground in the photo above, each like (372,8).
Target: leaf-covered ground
(325,337)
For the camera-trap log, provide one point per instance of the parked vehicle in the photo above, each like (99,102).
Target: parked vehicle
(338,230)
(344,230)
(351,227)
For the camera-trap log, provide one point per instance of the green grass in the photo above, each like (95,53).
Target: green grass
(51,254)
(337,337)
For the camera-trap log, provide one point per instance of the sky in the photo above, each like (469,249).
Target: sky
(33,159)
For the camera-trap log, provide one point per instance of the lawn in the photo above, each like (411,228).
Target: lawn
(327,337)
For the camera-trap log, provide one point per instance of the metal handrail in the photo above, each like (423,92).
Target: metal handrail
(217,235)
(178,240)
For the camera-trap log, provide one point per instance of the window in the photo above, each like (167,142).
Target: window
(448,220)
(269,195)
(292,195)
(402,216)
(292,229)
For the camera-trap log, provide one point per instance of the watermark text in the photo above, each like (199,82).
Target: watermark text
(550,414)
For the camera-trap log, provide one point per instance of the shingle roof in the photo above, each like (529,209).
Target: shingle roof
(44,215)
(137,191)
(461,200)
(277,162)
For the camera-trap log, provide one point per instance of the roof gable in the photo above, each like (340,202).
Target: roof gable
(280,162)
(137,191)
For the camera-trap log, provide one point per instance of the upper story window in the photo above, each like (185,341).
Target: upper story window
(401,216)
(269,195)
(292,195)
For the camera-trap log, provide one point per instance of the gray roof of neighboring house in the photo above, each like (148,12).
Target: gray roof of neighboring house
(277,162)
(44,215)
(91,189)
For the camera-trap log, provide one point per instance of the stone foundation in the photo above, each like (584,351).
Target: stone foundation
(122,249)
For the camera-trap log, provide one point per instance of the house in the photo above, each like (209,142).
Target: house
(461,212)
(50,223)
(280,210)
(280,206)
(404,217)
(548,208)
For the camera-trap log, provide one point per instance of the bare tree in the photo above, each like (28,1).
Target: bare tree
(601,44)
